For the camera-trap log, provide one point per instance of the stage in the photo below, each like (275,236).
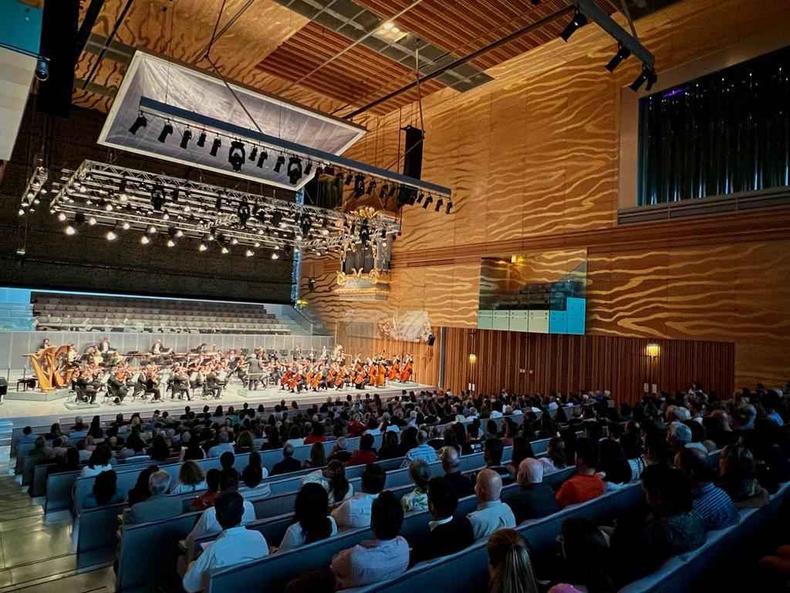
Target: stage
(41,413)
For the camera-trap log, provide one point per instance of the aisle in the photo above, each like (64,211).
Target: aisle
(36,552)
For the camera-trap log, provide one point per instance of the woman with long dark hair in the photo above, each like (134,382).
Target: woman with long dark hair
(509,566)
(95,429)
(613,464)
(99,461)
(312,521)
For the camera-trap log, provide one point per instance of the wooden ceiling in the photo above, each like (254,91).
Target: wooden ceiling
(271,48)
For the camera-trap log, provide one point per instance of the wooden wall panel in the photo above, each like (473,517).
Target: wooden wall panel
(542,363)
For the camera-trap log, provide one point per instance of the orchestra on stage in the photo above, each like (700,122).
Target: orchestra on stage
(205,371)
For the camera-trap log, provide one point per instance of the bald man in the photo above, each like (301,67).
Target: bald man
(533,498)
(451,464)
(492,514)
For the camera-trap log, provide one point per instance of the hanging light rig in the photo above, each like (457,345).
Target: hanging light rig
(175,212)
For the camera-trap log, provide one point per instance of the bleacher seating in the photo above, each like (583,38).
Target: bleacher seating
(94,313)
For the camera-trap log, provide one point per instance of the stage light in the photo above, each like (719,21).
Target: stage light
(359,185)
(144,240)
(439,204)
(279,163)
(243,213)
(249,253)
(157,197)
(294,169)
(174,195)
(234,241)
(202,246)
(275,255)
(647,75)
(449,207)
(256,244)
(254,153)
(179,234)
(186,137)
(349,178)
(225,250)
(21,212)
(92,221)
(61,216)
(383,191)
(126,226)
(236,155)
(108,207)
(218,203)
(170,243)
(308,168)
(622,53)
(427,202)
(262,157)
(151,230)
(201,141)
(578,21)
(111,235)
(420,197)
(167,129)
(140,122)
(371,186)
(215,146)
(70,230)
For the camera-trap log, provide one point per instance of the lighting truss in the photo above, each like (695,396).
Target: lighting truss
(34,190)
(218,217)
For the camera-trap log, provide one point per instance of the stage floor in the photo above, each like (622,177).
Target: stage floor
(41,413)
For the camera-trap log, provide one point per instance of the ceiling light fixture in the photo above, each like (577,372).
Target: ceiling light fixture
(622,53)
(140,122)
(578,21)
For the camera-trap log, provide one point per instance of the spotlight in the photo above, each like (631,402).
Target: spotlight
(622,53)
(157,197)
(201,141)
(215,146)
(439,204)
(243,213)
(42,69)
(359,185)
(170,243)
(449,207)
(420,197)
(151,230)
(261,158)
(254,153)
(294,169)
(167,129)
(126,226)
(202,246)
(144,240)
(236,155)
(647,75)
(179,234)
(92,221)
(61,216)
(225,250)
(234,241)
(111,235)
(578,21)
(308,168)
(249,253)
(349,178)
(427,202)
(275,255)
(218,203)
(279,163)
(371,186)
(186,138)
(70,230)
(140,122)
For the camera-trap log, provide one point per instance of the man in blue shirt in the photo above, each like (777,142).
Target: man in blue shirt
(422,451)
(711,503)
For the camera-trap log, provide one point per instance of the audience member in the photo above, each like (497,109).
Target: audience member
(356,511)
(312,521)
(158,505)
(190,479)
(585,484)
(104,491)
(491,514)
(738,477)
(317,456)
(422,451)
(533,498)
(586,561)
(288,463)
(140,490)
(509,566)
(206,500)
(207,523)
(451,464)
(99,462)
(710,502)
(254,474)
(223,445)
(417,499)
(366,453)
(447,533)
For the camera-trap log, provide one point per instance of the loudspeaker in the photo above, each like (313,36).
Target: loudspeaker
(412,156)
(58,42)
(430,339)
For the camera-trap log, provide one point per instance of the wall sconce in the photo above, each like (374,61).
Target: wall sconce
(472,358)
(652,350)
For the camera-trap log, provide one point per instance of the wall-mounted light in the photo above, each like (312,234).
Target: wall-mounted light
(472,358)
(653,350)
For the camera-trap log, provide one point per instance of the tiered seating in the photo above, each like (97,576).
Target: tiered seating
(92,313)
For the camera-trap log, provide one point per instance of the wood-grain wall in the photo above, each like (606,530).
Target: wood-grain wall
(533,160)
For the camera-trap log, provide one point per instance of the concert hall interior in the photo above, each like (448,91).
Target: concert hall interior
(461,294)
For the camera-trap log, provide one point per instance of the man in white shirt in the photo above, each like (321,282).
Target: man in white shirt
(492,514)
(236,544)
(376,560)
(209,522)
(356,511)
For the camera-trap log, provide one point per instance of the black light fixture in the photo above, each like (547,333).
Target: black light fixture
(439,204)
(349,178)
(578,21)
(308,168)
(237,155)
(218,203)
(140,122)
(622,53)
(278,165)
(420,197)
(427,202)
(449,207)
(215,146)
(359,185)
(186,138)
(167,129)
(254,153)
(383,191)
(305,224)
(261,157)
(371,186)
(243,213)
(174,195)
(157,197)
(201,141)
(647,75)
(393,189)
(294,169)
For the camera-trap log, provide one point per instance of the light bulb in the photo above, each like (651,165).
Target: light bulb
(70,230)
(145,240)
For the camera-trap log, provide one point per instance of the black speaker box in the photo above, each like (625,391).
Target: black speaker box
(58,42)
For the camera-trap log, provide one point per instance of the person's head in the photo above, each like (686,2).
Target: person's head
(27,430)
(667,490)
(586,554)
(530,471)
(335,473)
(386,516)
(488,486)
(104,487)
(631,442)
(420,473)
(311,510)
(612,461)
(451,460)
(694,463)
(373,478)
(101,456)
(556,452)
(678,435)
(390,439)
(366,442)
(522,449)
(158,483)
(227,460)
(509,566)
(493,452)
(212,479)
(317,455)
(585,456)
(190,474)
(288,451)
(442,498)
(230,509)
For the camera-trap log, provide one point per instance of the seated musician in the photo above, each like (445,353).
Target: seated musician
(157,348)
(104,345)
(179,383)
(86,385)
(45,344)
(116,385)
(148,382)
(212,386)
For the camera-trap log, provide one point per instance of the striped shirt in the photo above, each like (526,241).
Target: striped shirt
(715,507)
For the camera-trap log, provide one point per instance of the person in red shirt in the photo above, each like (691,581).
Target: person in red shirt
(206,500)
(355,427)
(585,484)
(366,453)
(316,434)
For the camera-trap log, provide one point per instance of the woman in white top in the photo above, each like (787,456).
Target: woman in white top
(333,479)
(555,458)
(99,462)
(190,479)
(312,520)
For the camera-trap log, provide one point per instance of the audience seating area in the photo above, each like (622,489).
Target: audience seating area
(93,313)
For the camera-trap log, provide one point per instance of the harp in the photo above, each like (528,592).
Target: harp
(50,367)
